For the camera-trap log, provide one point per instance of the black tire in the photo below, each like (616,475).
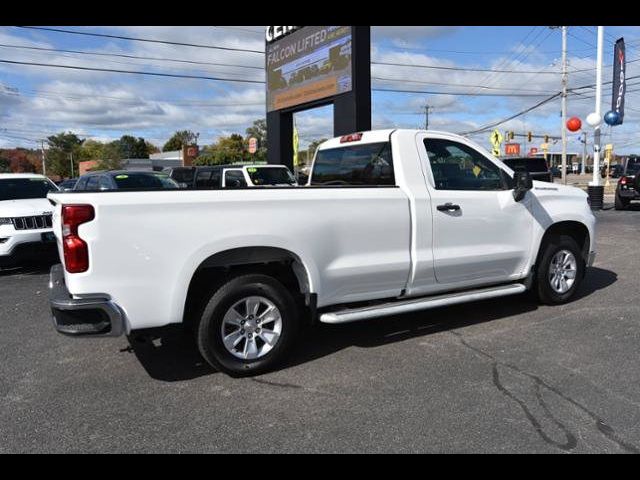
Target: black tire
(553,245)
(209,336)
(621,203)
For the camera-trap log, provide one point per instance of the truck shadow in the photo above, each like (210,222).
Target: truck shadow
(170,355)
(33,268)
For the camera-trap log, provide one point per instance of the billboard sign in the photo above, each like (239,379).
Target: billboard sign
(619,79)
(306,64)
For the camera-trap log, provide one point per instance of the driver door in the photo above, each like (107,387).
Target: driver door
(480,233)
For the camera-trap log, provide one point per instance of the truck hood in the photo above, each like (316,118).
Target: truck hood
(25,208)
(545,189)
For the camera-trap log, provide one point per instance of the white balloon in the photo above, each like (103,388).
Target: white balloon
(593,119)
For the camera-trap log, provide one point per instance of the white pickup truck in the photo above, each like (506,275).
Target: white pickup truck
(391,222)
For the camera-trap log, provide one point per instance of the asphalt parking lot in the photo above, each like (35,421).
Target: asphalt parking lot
(503,375)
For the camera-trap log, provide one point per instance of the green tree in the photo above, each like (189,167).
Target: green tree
(228,150)
(111,158)
(131,147)
(91,150)
(179,139)
(63,149)
(151,148)
(4,164)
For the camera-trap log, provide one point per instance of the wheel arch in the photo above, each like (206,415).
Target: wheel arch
(572,228)
(279,263)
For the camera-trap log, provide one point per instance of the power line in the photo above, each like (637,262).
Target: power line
(463,94)
(424,82)
(122,55)
(435,67)
(148,40)
(201,77)
(519,114)
(133,72)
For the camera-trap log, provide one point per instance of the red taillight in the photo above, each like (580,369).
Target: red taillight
(76,252)
(354,137)
(623,181)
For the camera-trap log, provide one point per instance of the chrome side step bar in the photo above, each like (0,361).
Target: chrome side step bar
(416,304)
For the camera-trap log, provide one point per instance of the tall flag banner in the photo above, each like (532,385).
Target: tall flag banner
(296,146)
(619,79)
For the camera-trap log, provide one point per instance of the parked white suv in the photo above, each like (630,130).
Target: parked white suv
(25,219)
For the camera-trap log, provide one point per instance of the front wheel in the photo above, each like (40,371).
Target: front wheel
(248,325)
(560,271)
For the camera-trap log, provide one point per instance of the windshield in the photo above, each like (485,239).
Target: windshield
(138,181)
(25,188)
(270,176)
(633,167)
(532,165)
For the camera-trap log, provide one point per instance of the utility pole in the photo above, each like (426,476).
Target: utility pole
(44,159)
(565,82)
(427,109)
(584,153)
(71,156)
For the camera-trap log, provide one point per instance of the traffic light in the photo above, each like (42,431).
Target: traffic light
(530,136)
(511,135)
(546,139)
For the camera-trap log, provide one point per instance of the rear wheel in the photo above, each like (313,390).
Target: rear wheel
(560,270)
(621,203)
(248,325)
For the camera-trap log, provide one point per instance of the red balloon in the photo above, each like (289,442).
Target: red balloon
(574,124)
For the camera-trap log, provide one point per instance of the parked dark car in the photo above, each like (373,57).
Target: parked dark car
(67,185)
(628,188)
(536,166)
(124,180)
(231,176)
(615,171)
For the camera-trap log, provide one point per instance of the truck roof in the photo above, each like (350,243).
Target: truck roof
(378,136)
(4,176)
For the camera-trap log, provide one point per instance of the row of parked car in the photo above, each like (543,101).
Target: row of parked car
(26,214)
(195,178)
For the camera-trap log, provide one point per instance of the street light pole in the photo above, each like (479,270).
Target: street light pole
(44,159)
(598,111)
(564,104)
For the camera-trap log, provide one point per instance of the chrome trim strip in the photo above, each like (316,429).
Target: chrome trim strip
(413,305)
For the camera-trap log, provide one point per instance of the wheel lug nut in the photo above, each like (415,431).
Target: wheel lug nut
(257,330)
(242,332)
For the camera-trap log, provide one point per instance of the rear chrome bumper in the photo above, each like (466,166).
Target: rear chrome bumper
(86,317)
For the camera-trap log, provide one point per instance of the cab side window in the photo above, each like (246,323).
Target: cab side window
(92,184)
(456,166)
(82,184)
(103,183)
(234,179)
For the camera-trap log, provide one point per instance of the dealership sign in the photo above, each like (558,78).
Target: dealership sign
(307,64)
(619,80)
(276,33)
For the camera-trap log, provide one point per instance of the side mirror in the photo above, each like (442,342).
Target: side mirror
(523,183)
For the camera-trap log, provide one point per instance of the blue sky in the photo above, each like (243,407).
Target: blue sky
(36,101)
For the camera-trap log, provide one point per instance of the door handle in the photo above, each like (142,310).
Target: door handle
(448,207)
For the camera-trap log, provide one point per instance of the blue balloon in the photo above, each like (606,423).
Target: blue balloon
(612,118)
